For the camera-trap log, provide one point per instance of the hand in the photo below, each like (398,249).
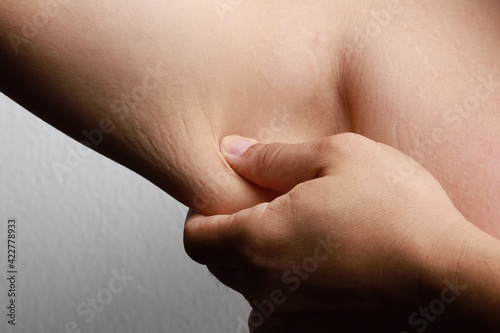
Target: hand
(352,231)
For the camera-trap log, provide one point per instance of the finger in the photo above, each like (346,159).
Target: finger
(274,166)
(216,240)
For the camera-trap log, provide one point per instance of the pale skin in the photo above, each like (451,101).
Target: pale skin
(173,79)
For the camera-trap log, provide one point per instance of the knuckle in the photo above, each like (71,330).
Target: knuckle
(260,244)
(245,245)
(344,145)
(266,158)
(338,143)
(327,146)
(284,207)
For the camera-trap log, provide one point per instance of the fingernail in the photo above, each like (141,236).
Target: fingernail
(236,145)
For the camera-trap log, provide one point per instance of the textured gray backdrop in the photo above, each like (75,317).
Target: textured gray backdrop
(99,249)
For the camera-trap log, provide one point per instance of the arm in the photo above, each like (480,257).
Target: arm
(129,80)
(347,240)
(156,85)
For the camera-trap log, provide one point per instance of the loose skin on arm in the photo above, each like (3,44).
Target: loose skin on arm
(165,81)
(168,80)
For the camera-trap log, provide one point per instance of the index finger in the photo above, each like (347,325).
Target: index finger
(217,240)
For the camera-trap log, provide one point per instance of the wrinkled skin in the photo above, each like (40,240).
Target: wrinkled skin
(287,71)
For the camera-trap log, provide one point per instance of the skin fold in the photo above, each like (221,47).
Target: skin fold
(156,85)
(195,78)
(171,79)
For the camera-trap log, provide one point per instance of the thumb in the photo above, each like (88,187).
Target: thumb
(275,166)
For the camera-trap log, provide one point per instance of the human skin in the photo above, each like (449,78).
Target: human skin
(251,73)
(207,77)
(345,240)
(289,71)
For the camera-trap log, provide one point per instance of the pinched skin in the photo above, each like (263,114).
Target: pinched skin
(170,79)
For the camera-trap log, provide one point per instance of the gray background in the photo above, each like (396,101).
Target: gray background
(73,233)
